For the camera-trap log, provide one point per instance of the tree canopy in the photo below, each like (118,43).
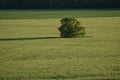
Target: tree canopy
(59,4)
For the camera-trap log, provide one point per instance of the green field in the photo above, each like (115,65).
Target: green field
(31,49)
(55,14)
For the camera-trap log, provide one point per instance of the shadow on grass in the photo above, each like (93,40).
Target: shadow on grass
(33,38)
(36,38)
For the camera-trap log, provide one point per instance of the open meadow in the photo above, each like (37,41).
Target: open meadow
(31,49)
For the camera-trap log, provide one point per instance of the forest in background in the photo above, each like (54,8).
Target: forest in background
(59,4)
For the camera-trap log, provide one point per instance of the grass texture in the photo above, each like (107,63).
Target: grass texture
(31,49)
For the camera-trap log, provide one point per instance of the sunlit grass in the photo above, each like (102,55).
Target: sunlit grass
(26,52)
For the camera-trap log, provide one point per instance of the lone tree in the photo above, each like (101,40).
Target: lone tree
(71,28)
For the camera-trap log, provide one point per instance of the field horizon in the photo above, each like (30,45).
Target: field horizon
(58,14)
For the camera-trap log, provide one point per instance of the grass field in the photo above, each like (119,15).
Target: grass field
(55,14)
(30,47)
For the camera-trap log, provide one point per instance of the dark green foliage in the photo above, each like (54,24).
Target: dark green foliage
(59,4)
(70,28)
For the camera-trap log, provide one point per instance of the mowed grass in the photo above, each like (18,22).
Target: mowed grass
(30,49)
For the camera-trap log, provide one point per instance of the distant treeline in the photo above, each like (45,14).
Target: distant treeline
(59,4)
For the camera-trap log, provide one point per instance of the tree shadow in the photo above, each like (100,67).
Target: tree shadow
(32,38)
(37,38)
